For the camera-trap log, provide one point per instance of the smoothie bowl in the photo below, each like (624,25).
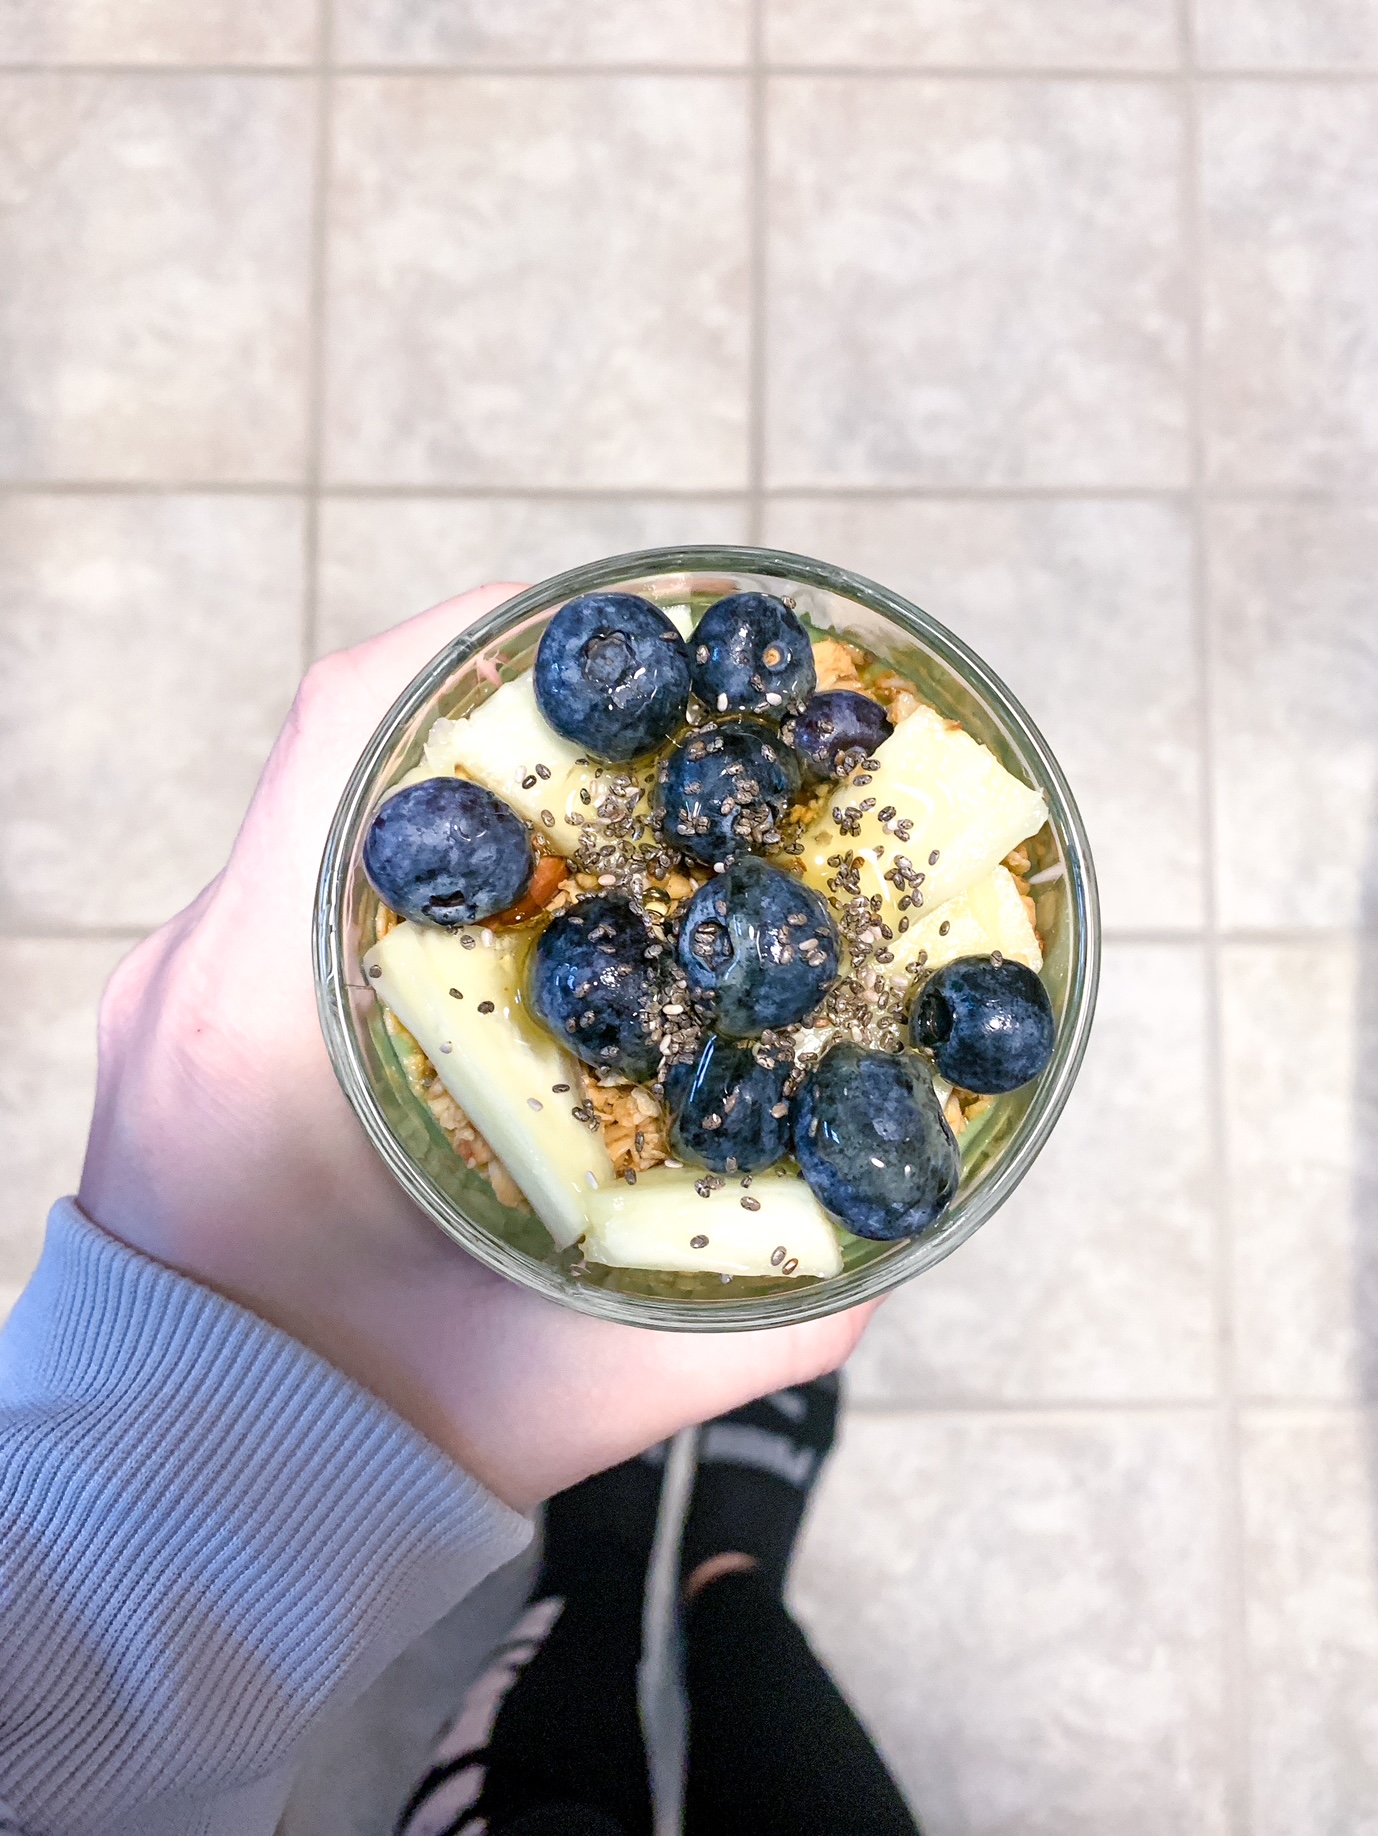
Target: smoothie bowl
(707,939)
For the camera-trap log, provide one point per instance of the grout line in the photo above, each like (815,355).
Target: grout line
(1311,1407)
(757,231)
(141,487)
(881,494)
(1071,74)
(944,493)
(75,933)
(1131,937)
(316,308)
(999,1408)
(971,73)
(1298,935)
(164,487)
(1230,1556)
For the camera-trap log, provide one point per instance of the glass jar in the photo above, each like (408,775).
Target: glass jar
(401,1126)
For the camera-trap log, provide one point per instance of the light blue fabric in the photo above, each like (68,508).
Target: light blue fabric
(208,1538)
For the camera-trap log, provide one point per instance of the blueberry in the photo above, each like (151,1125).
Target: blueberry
(871,1140)
(448,852)
(728,1111)
(835,731)
(612,674)
(751,655)
(724,790)
(597,983)
(988,1023)
(762,944)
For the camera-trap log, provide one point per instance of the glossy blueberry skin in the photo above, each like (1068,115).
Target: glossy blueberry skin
(835,731)
(597,983)
(749,654)
(724,790)
(857,1107)
(448,852)
(727,1082)
(989,1025)
(612,674)
(737,946)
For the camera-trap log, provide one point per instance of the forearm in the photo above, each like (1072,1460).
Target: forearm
(208,1536)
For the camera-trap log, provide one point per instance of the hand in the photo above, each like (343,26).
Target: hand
(222,1145)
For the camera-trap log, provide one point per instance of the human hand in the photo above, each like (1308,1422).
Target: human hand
(222,1145)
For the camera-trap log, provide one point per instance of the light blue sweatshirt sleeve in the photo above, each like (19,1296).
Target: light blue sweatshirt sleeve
(209,1538)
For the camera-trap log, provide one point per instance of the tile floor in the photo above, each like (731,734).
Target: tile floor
(1059,316)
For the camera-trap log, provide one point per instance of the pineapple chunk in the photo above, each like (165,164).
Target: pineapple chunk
(963,804)
(988,916)
(501,744)
(500,1067)
(656,1223)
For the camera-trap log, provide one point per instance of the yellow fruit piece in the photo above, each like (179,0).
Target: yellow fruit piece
(965,810)
(505,742)
(988,916)
(500,1066)
(662,1223)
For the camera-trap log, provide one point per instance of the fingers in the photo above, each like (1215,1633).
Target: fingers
(336,711)
(384,665)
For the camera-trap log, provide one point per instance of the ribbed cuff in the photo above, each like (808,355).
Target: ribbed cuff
(208,1536)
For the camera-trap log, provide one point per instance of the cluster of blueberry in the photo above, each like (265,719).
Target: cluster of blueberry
(755,950)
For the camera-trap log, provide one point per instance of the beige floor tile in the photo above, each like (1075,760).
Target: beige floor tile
(541,31)
(974,283)
(149,647)
(1290,185)
(157,31)
(1294,613)
(155,239)
(384,558)
(1022,34)
(539,282)
(47,1081)
(1310,1503)
(1023,1610)
(1085,610)
(1095,1281)
(1287,34)
(1301,1096)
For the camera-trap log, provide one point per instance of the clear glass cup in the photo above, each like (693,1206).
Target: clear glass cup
(401,1127)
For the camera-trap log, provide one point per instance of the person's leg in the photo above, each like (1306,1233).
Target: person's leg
(548,1741)
(774,1749)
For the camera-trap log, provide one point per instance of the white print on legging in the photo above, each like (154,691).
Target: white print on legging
(457,1786)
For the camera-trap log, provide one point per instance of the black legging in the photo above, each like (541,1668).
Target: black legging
(774,1749)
